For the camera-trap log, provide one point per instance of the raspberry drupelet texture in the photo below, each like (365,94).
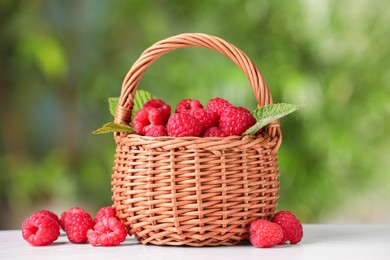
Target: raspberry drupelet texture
(263,233)
(161,106)
(40,230)
(206,118)
(65,214)
(108,231)
(188,104)
(214,132)
(48,213)
(147,116)
(218,105)
(180,125)
(235,120)
(155,130)
(77,226)
(291,226)
(105,212)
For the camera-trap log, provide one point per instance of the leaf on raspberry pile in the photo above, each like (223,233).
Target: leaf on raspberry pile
(113,127)
(267,114)
(141,97)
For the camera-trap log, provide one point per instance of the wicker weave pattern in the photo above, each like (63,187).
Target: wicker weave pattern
(192,190)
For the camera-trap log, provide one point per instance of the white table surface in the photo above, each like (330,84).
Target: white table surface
(319,242)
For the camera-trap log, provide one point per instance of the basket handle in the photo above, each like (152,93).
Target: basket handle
(133,77)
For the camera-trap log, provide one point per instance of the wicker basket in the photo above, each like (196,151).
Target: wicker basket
(193,190)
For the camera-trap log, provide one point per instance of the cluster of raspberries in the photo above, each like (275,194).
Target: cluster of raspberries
(43,227)
(284,227)
(219,119)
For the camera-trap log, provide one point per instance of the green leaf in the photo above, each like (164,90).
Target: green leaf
(113,127)
(113,103)
(141,97)
(267,114)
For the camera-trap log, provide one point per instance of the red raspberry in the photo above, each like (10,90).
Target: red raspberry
(105,212)
(147,116)
(109,231)
(40,230)
(188,104)
(291,226)
(236,120)
(163,107)
(155,130)
(206,118)
(214,132)
(48,213)
(77,226)
(180,125)
(263,233)
(65,214)
(218,105)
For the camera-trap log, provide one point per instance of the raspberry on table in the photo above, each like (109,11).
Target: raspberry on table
(180,125)
(77,226)
(66,214)
(147,116)
(108,231)
(40,230)
(155,130)
(206,118)
(48,213)
(291,226)
(214,132)
(105,212)
(236,120)
(218,105)
(163,107)
(188,104)
(263,233)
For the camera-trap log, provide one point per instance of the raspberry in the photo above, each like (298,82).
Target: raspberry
(105,212)
(40,230)
(206,118)
(47,213)
(218,105)
(235,120)
(188,104)
(66,214)
(155,130)
(291,226)
(77,227)
(163,107)
(180,125)
(147,116)
(214,132)
(108,231)
(263,233)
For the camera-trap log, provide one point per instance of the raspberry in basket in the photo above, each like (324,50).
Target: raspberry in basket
(77,226)
(188,104)
(218,105)
(214,132)
(206,118)
(155,130)
(108,231)
(291,226)
(147,116)
(163,107)
(180,124)
(235,120)
(40,230)
(263,233)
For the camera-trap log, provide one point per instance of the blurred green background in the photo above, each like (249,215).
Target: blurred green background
(61,60)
